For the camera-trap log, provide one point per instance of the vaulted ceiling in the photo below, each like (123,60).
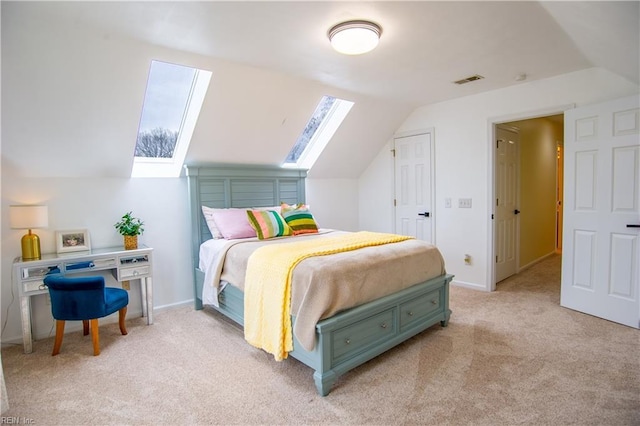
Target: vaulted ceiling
(425,46)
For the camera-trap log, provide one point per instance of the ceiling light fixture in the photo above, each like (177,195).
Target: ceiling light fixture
(355,37)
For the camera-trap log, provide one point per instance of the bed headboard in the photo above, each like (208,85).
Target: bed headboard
(240,186)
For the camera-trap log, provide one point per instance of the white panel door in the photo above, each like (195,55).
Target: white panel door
(413,186)
(506,212)
(601,251)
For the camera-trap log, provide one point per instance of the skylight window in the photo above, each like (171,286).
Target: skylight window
(170,111)
(318,132)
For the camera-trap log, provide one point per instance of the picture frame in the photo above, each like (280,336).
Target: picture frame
(72,240)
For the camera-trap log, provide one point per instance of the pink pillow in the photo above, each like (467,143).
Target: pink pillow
(233,223)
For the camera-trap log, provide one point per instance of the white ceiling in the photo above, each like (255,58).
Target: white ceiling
(424,46)
(73,73)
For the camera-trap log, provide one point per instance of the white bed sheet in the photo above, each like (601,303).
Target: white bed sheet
(210,261)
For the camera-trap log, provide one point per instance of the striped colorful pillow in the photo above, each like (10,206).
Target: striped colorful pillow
(268,224)
(299,218)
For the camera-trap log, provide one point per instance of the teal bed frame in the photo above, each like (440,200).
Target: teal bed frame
(343,341)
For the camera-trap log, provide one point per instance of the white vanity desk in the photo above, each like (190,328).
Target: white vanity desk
(125,265)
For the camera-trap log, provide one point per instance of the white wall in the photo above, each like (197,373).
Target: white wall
(96,205)
(375,193)
(334,202)
(463,161)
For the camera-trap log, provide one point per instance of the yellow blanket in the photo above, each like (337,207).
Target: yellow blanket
(267,292)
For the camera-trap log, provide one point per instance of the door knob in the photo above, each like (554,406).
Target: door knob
(516,211)
(425,214)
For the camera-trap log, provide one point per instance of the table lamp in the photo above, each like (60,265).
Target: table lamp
(29,217)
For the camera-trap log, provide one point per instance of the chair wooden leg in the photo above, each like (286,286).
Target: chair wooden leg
(59,335)
(95,337)
(122,313)
(85,327)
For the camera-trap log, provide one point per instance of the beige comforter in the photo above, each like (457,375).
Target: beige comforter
(325,285)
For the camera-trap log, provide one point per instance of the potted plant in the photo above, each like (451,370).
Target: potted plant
(130,227)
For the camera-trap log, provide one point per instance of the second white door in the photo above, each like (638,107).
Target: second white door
(506,211)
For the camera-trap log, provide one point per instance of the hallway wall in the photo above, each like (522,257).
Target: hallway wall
(538,194)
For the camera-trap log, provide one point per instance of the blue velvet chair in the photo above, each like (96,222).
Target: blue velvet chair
(84,299)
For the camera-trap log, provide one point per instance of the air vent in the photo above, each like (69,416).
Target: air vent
(469,79)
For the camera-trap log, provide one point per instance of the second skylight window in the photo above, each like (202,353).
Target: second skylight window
(318,132)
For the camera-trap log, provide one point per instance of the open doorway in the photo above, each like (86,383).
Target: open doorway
(536,218)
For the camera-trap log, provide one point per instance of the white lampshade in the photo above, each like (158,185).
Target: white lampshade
(355,37)
(28,217)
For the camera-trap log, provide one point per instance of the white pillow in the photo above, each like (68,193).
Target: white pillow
(207,212)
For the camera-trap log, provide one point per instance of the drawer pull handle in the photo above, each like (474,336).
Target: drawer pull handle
(347,341)
(434,302)
(410,313)
(383,325)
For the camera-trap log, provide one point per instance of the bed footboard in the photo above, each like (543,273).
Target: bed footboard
(355,336)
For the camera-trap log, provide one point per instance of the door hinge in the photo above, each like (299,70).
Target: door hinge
(393,152)
(491,216)
(394,202)
(496,259)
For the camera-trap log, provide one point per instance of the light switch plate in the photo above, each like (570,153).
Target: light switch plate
(464,203)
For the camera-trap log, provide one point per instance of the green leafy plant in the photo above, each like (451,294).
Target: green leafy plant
(130,225)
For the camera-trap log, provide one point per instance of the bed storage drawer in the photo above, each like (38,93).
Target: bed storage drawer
(232,302)
(363,334)
(414,311)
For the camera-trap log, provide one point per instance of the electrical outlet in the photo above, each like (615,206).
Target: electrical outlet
(464,203)
(447,203)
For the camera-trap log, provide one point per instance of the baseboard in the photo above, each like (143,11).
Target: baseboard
(538,260)
(465,284)
(188,302)
(73,326)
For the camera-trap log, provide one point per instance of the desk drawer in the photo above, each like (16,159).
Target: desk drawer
(357,337)
(30,286)
(419,308)
(107,262)
(133,260)
(36,271)
(133,273)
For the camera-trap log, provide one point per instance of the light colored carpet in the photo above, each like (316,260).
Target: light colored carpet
(509,357)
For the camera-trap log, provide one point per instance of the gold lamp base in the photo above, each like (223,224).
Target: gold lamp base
(31,247)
